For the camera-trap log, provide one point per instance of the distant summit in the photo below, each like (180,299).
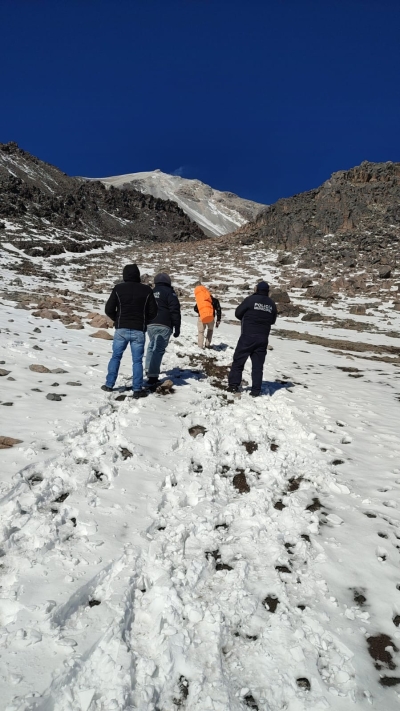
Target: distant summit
(217,212)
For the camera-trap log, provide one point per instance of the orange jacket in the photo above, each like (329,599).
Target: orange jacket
(204,304)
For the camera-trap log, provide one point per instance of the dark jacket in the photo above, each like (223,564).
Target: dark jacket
(217,308)
(257,314)
(131,304)
(169,308)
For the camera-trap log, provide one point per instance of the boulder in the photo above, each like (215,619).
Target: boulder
(396,305)
(280,296)
(306,283)
(46,313)
(321,291)
(197,430)
(99,321)
(4,372)
(50,303)
(358,309)
(8,442)
(36,368)
(102,334)
(313,316)
(286,260)
(385,272)
(291,310)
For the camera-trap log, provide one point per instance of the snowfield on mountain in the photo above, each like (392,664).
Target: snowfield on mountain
(217,212)
(195,550)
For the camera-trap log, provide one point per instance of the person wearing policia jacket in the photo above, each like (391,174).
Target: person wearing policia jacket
(257,314)
(207,306)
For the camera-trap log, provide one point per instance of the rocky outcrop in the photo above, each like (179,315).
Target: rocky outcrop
(35,194)
(350,201)
(351,221)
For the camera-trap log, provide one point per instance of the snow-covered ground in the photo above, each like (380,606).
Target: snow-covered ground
(253,566)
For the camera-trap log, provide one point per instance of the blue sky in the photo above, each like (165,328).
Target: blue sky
(265,98)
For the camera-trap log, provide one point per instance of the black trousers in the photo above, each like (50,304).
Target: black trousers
(254,347)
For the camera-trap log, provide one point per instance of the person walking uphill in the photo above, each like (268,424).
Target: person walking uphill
(257,314)
(168,319)
(131,306)
(207,307)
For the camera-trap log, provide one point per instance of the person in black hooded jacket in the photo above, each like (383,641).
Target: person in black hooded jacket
(257,314)
(168,320)
(131,306)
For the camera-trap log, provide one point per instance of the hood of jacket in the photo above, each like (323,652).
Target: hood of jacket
(131,273)
(162,278)
(262,288)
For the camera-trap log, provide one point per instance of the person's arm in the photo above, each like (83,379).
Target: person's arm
(175,311)
(274,314)
(196,308)
(217,310)
(111,306)
(241,310)
(151,308)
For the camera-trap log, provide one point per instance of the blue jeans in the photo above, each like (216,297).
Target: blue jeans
(159,338)
(122,337)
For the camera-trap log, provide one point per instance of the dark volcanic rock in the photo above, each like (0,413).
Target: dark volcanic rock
(279,296)
(34,192)
(351,222)
(347,201)
(321,291)
(314,316)
(358,309)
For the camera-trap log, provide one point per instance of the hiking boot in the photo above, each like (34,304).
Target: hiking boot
(153,381)
(106,389)
(255,393)
(140,393)
(233,388)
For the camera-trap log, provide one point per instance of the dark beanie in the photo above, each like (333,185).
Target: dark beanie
(162,278)
(131,273)
(262,286)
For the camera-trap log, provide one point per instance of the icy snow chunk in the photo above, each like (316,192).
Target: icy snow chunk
(297,654)
(85,698)
(194,616)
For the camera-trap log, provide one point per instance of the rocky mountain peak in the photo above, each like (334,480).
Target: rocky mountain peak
(37,199)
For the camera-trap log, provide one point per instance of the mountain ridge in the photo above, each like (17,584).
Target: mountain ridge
(217,212)
(38,197)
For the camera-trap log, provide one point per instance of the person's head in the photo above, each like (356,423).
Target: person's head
(262,288)
(197,283)
(131,273)
(162,278)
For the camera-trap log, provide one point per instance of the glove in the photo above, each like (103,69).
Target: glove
(177,332)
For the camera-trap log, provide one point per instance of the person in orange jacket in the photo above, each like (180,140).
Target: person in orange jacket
(207,306)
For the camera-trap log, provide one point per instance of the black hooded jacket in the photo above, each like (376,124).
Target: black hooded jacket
(257,313)
(169,308)
(131,304)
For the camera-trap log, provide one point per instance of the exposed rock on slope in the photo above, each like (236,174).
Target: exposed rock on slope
(359,207)
(217,212)
(38,196)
